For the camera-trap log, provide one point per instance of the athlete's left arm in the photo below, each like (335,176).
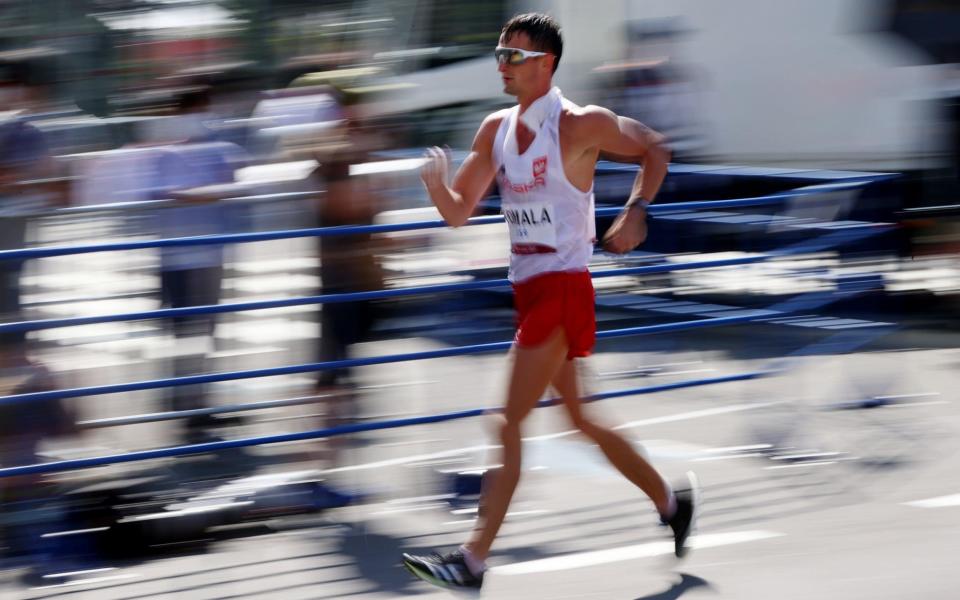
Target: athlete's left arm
(625,140)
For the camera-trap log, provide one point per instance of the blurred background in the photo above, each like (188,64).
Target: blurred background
(140,120)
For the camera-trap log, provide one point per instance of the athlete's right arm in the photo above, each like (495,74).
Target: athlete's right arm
(457,201)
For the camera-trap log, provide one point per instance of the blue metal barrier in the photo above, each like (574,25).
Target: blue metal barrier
(829,240)
(759,315)
(85,463)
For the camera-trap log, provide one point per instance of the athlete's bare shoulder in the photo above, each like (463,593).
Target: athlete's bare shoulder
(487,132)
(494,119)
(586,118)
(585,126)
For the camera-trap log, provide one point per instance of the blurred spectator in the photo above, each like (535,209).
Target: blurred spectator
(952,89)
(25,166)
(192,275)
(27,506)
(184,169)
(347,263)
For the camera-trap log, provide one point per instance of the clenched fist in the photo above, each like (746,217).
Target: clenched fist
(628,231)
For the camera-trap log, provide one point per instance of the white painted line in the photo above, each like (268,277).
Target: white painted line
(697,414)
(729,457)
(731,449)
(57,534)
(87,581)
(75,573)
(464,511)
(510,515)
(394,511)
(419,499)
(189,510)
(403,460)
(599,557)
(939,502)
(902,396)
(806,455)
(528,513)
(815,463)
(916,404)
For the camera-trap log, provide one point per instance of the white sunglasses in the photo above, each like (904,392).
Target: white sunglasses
(514,56)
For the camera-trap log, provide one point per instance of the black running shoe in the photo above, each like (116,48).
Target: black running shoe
(684,520)
(447,570)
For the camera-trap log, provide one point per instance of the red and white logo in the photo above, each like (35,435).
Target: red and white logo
(539,166)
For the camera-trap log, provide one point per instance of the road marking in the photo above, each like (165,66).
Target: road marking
(408,509)
(697,414)
(87,581)
(599,557)
(939,502)
(510,515)
(684,416)
(812,463)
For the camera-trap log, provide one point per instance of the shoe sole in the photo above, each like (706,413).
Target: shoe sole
(694,513)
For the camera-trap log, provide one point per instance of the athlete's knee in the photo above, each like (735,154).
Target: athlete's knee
(508,430)
(588,426)
(578,419)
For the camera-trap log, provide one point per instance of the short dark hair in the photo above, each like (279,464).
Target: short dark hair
(542,30)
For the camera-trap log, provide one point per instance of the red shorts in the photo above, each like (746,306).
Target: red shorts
(558,299)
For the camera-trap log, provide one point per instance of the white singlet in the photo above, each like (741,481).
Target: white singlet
(551,222)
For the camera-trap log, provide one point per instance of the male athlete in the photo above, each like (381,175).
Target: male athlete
(543,153)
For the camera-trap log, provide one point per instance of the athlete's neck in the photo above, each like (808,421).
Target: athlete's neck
(526,100)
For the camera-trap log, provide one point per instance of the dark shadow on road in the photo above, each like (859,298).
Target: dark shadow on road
(377,559)
(687,582)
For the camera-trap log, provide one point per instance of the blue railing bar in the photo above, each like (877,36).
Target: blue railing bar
(353,362)
(232,238)
(85,463)
(165,313)
(237,238)
(771,199)
(171,415)
(760,315)
(606,166)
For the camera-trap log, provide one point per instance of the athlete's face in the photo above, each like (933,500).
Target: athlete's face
(518,79)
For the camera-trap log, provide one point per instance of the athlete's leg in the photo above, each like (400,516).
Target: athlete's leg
(532,370)
(617,450)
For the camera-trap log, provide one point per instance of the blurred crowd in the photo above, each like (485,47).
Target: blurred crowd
(217,136)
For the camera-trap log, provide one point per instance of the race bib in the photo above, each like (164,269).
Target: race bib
(532,227)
